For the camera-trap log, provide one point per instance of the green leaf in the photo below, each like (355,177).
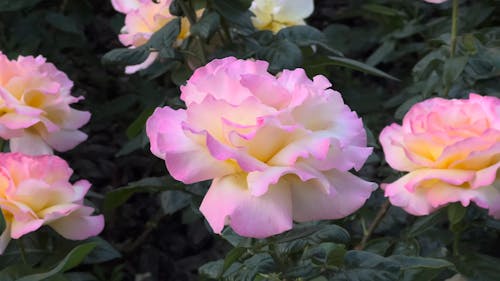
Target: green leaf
(453,67)
(281,54)
(232,256)
(137,126)
(366,266)
(261,263)
(235,240)
(64,23)
(166,36)
(495,224)
(16,5)
(381,53)
(382,10)
(211,269)
(355,65)
(413,262)
(102,252)
(456,212)
(207,25)
(315,234)
(305,35)
(137,142)
(174,200)
(125,56)
(235,11)
(73,259)
(301,35)
(478,267)
(118,196)
(427,222)
(429,61)
(181,74)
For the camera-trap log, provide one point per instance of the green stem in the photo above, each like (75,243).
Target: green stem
(191,16)
(20,245)
(453,39)
(454,20)
(378,218)
(273,251)
(456,240)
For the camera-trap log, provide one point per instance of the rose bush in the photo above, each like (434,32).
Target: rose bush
(35,112)
(278,148)
(451,151)
(35,191)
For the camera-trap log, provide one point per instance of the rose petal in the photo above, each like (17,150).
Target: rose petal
(131,69)
(186,160)
(347,194)
(229,201)
(79,225)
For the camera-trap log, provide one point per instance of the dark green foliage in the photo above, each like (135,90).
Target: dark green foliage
(382,55)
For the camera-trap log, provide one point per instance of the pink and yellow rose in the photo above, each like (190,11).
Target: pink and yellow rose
(143,18)
(35,112)
(279,149)
(451,151)
(35,191)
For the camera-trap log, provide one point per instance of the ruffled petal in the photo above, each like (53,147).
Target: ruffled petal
(186,160)
(79,225)
(391,139)
(228,201)
(346,194)
(30,144)
(125,6)
(294,10)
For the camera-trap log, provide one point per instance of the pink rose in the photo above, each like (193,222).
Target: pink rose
(435,1)
(451,150)
(35,107)
(143,18)
(277,148)
(35,191)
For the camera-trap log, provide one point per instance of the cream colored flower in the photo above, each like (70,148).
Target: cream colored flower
(277,14)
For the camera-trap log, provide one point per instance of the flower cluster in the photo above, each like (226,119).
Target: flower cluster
(35,191)
(35,112)
(450,149)
(277,148)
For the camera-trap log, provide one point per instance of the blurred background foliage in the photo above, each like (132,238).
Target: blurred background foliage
(382,55)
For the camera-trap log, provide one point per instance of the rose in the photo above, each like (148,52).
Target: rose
(35,191)
(34,107)
(143,18)
(451,149)
(278,148)
(277,14)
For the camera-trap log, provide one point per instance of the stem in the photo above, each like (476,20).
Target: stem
(456,240)
(454,20)
(150,226)
(453,39)
(191,16)
(20,244)
(378,218)
(273,251)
